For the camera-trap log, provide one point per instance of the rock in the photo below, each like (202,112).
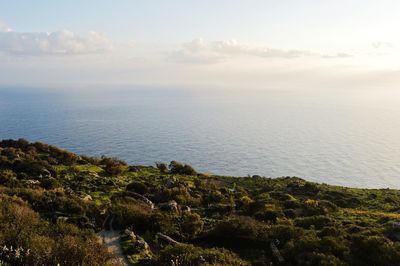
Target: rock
(93,174)
(167,239)
(45,173)
(133,169)
(201,260)
(141,244)
(170,206)
(87,198)
(32,182)
(141,197)
(69,191)
(170,183)
(233,190)
(185,209)
(62,218)
(131,235)
(137,241)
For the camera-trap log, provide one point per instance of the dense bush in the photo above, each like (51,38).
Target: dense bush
(237,229)
(191,225)
(162,167)
(375,250)
(138,187)
(48,244)
(131,212)
(113,166)
(190,255)
(318,222)
(182,169)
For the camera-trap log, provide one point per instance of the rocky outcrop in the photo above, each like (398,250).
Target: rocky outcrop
(140,197)
(138,242)
(170,206)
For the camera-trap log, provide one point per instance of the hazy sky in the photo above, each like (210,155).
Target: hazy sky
(226,44)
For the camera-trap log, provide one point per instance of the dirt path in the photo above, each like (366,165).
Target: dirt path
(111,239)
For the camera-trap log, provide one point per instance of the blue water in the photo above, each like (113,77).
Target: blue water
(350,139)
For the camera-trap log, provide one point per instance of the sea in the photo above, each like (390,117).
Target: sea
(340,137)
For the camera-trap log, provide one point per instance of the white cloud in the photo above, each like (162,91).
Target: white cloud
(4,27)
(338,55)
(379,44)
(233,47)
(54,43)
(198,51)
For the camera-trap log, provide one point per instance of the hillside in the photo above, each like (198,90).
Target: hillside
(57,208)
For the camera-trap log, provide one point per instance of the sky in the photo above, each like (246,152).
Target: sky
(226,44)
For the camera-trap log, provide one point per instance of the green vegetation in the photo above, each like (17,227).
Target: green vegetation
(53,202)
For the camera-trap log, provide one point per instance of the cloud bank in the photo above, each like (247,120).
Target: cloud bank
(198,51)
(54,43)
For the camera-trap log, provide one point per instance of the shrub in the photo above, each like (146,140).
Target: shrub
(7,177)
(162,167)
(137,187)
(191,255)
(130,212)
(48,243)
(113,166)
(191,225)
(268,215)
(284,232)
(50,183)
(375,250)
(179,194)
(278,195)
(114,169)
(213,196)
(183,169)
(234,229)
(318,221)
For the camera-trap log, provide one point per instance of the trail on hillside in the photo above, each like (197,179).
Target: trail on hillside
(111,239)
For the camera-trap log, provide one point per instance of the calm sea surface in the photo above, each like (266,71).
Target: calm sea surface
(349,138)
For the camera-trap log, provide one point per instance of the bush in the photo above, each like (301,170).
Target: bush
(191,255)
(162,167)
(179,194)
(375,250)
(130,212)
(182,169)
(268,215)
(49,183)
(318,222)
(191,225)
(235,229)
(113,166)
(8,177)
(48,243)
(114,169)
(137,187)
